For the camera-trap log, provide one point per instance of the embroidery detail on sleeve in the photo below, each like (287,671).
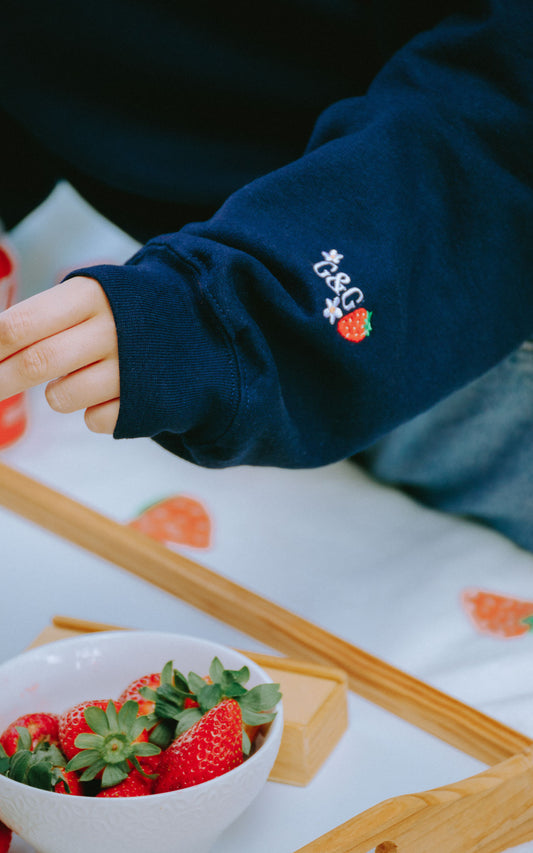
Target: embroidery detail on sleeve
(354,325)
(332,310)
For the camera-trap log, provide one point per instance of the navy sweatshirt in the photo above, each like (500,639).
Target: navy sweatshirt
(368,175)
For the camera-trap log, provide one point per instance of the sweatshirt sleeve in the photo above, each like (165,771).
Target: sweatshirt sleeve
(337,297)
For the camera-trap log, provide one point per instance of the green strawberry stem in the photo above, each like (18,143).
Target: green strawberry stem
(111,748)
(181,701)
(39,768)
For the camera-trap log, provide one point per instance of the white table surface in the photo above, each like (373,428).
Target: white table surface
(360,559)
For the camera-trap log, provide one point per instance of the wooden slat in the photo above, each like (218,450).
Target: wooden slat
(487,813)
(443,716)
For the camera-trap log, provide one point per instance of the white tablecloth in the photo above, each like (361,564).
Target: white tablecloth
(360,559)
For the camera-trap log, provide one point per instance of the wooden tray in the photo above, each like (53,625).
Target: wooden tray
(487,813)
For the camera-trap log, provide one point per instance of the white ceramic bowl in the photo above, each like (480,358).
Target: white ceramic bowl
(56,676)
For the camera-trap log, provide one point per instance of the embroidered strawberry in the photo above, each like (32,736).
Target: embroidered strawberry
(109,741)
(181,701)
(356,325)
(5,837)
(43,728)
(211,747)
(499,615)
(134,785)
(178,519)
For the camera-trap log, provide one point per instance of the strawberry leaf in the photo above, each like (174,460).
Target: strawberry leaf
(112,716)
(232,690)
(114,775)
(240,676)
(97,720)
(88,740)
(24,738)
(163,733)
(83,759)
(92,770)
(4,761)
(127,715)
(187,719)
(263,697)
(216,670)
(40,775)
(180,682)
(169,702)
(19,765)
(167,673)
(196,683)
(208,696)
(145,748)
(148,693)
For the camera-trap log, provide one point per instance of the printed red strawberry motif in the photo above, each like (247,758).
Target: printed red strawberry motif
(178,519)
(211,747)
(355,326)
(499,615)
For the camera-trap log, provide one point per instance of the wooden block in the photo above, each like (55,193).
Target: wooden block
(316,715)
(315,704)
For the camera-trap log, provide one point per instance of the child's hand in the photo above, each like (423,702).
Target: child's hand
(65,336)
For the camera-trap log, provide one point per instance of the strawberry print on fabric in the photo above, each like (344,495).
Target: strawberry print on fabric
(499,615)
(178,520)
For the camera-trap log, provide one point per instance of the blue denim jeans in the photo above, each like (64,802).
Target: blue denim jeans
(472,453)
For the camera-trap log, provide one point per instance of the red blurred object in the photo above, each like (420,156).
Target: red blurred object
(13,417)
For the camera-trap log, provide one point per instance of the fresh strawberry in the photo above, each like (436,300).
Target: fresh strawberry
(133,692)
(5,837)
(177,519)
(134,785)
(211,747)
(109,741)
(42,728)
(180,702)
(355,326)
(73,723)
(42,766)
(69,783)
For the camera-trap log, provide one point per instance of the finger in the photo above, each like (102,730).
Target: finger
(58,355)
(84,388)
(49,312)
(103,418)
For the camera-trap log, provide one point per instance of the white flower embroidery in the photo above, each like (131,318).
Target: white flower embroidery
(332,256)
(332,310)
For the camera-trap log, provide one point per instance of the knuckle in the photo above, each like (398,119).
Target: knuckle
(34,363)
(13,325)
